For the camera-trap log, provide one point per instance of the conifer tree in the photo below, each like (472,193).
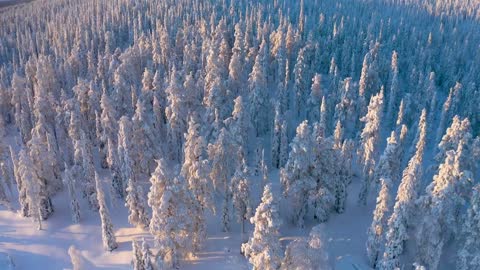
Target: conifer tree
(108,235)
(68,181)
(241,194)
(137,259)
(263,250)
(370,137)
(297,176)
(146,256)
(376,230)
(33,195)
(407,193)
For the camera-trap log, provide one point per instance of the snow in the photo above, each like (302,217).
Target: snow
(48,248)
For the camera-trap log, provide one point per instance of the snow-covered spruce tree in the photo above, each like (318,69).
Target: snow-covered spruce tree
(338,135)
(195,170)
(113,163)
(441,205)
(34,198)
(108,235)
(127,165)
(259,91)
(3,194)
(69,183)
(394,88)
(369,143)
(459,130)
(276,137)
(136,203)
(302,76)
(237,75)
(239,124)
(143,139)
(20,185)
(468,257)
(137,256)
(176,115)
(316,95)
(407,193)
(6,171)
(283,154)
(307,253)
(327,167)
(241,194)
(388,165)
(42,154)
(146,256)
(297,176)
(263,249)
(345,110)
(171,223)
(89,190)
(376,231)
(221,155)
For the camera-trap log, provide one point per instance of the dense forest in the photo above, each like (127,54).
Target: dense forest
(262,115)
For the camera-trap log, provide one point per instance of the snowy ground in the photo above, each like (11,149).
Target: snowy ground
(47,249)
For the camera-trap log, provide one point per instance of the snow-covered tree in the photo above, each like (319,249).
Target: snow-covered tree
(241,194)
(263,249)
(315,99)
(136,204)
(195,170)
(401,217)
(259,92)
(389,164)
(376,231)
(171,223)
(307,253)
(37,204)
(69,182)
(137,258)
(221,156)
(441,206)
(108,235)
(370,137)
(146,256)
(297,176)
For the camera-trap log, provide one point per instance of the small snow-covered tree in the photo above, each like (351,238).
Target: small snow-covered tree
(368,149)
(68,181)
(297,176)
(137,205)
(32,185)
(283,154)
(137,258)
(389,163)
(315,99)
(108,235)
(263,250)
(241,194)
(376,231)
(146,256)
(307,253)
